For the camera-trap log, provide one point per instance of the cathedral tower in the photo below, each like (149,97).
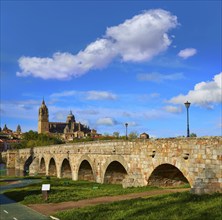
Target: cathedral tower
(43,120)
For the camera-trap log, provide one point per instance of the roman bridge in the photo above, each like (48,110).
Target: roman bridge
(170,161)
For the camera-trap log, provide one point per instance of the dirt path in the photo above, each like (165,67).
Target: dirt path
(51,208)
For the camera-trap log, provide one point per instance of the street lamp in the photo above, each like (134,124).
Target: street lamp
(126,130)
(187,104)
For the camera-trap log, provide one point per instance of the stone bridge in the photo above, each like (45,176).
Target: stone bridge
(161,162)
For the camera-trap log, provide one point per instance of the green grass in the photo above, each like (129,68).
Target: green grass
(178,206)
(68,190)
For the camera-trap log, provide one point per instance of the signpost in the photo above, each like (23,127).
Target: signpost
(45,189)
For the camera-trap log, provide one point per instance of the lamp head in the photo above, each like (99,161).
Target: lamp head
(187,104)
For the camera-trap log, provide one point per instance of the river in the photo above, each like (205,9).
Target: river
(10,171)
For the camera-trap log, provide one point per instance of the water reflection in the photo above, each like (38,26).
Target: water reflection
(11,171)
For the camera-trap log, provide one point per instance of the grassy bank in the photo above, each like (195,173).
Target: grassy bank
(68,190)
(176,206)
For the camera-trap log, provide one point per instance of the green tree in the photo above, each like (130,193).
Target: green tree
(30,135)
(193,135)
(116,134)
(133,135)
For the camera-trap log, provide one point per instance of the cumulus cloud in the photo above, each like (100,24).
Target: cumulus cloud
(204,94)
(143,36)
(137,39)
(106,121)
(158,77)
(186,53)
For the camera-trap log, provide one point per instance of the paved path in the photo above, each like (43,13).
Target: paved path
(52,208)
(11,210)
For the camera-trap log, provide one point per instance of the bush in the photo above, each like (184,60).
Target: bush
(33,139)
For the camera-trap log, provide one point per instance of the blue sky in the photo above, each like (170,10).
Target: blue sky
(113,62)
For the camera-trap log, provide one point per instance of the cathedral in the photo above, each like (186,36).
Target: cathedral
(67,130)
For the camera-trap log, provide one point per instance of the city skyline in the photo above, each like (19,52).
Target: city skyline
(113,63)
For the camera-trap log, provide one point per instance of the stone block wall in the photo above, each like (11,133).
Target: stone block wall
(198,160)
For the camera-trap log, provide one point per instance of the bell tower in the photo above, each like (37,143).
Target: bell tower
(43,119)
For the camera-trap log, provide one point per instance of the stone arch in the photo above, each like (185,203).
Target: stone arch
(42,166)
(115,170)
(86,169)
(166,174)
(52,170)
(66,170)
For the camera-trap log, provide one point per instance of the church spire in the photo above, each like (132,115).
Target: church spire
(43,101)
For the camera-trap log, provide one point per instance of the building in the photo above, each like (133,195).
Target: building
(144,136)
(8,138)
(6,130)
(68,130)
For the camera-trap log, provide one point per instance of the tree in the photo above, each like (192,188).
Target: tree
(133,135)
(31,135)
(116,134)
(193,135)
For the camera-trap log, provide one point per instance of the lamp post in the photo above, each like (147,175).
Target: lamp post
(187,104)
(126,130)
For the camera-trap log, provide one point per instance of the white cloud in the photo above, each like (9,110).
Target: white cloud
(106,121)
(64,94)
(173,109)
(59,116)
(143,36)
(158,77)
(204,94)
(27,109)
(148,97)
(137,39)
(132,124)
(88,95)
(186,53)
(87,112)
(100,95)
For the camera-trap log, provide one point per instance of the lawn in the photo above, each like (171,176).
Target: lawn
(67,190)
(178,206)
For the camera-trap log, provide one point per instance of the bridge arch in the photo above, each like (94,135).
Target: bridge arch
(85,169)
(66,169)
(167,174)
(52,170)
(114,170)
(42,166)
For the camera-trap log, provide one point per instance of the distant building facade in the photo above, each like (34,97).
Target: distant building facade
(68,130)
(9,137)
(144,136)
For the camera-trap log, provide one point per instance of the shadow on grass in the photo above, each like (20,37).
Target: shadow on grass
(20,195)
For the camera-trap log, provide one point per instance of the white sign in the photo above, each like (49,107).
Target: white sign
(45,187)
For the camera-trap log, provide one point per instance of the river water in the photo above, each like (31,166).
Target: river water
(10,171)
